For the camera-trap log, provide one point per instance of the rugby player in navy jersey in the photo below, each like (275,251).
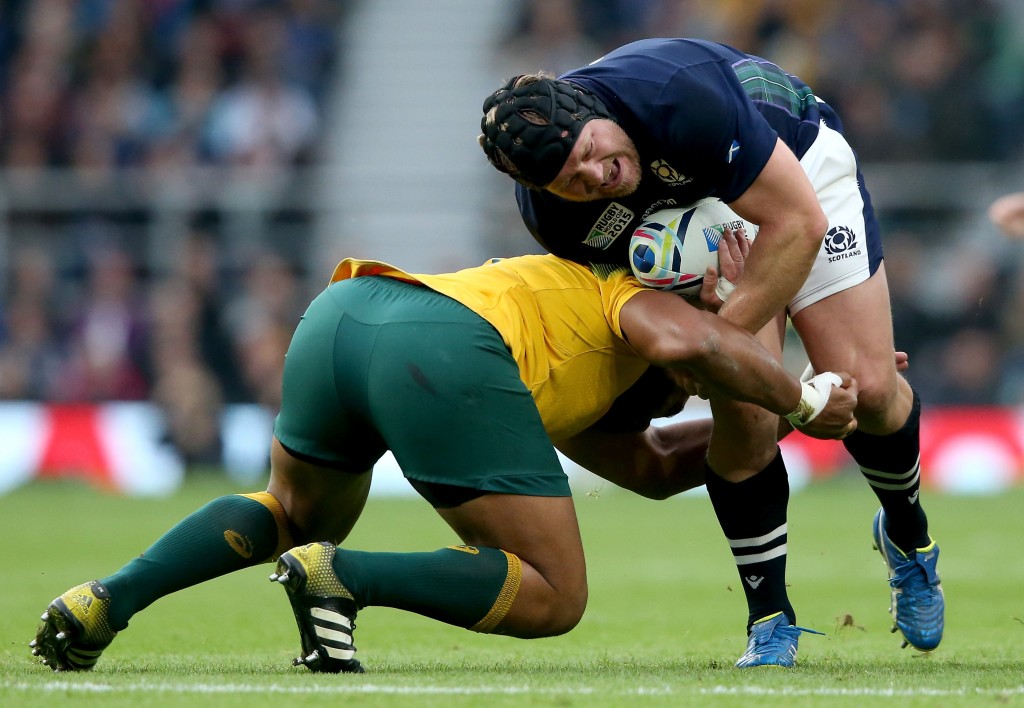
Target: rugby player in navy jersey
(662,123)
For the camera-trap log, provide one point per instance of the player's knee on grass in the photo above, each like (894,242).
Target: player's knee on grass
(569,612)
(543,610)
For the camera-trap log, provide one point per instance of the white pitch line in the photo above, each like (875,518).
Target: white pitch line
(205,688)
(201,688)
(866,691)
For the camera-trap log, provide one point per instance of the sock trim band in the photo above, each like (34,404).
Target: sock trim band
(747,559)
(284,536)
(759,540)
(503,603)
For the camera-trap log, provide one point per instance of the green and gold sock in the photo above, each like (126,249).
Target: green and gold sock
(228,534)
(464,586)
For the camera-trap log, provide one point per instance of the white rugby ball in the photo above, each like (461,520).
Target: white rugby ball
(673,248)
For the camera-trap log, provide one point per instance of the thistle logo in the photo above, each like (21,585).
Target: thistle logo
(669,174)
(839,239)
(840,243)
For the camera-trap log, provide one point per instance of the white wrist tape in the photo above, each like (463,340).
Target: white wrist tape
(723,289)
(813,397)
(807,374)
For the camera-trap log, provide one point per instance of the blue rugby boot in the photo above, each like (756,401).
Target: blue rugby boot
(324,609)
(918,606)
(772,642)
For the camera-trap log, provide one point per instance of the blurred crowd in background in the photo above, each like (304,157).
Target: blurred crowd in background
(144,88)
(913,79)
(149,88)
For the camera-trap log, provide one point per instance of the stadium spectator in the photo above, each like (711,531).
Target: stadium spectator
(103,88)
(199,271)
(1007,213)
(261,317)
(29,354)
(107,340)
(263,121)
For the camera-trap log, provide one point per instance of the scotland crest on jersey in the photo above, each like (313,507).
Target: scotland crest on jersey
(669,174)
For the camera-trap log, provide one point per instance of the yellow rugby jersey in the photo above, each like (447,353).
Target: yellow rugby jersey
(559,321)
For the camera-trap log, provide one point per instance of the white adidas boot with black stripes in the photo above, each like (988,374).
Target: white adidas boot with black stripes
(324,609)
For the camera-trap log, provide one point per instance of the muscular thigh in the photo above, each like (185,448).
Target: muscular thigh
(321,503)
(542,531)
(852,331)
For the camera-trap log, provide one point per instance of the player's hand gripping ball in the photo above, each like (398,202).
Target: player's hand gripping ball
(673,248)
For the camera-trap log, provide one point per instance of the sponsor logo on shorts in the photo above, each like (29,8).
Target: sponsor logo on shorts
(669,174)
(612,222)
(840,243)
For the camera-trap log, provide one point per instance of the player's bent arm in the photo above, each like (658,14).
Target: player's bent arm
(668,332)
(656,463)
(791,226)
(728,361)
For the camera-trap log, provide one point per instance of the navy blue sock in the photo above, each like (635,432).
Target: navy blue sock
(752,514)
(892,466)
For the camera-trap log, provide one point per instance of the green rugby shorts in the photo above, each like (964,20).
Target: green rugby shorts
(379,364)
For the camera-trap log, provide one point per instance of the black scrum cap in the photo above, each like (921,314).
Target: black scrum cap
(529,131)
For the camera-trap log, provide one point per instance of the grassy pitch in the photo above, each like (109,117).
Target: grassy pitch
(663,627)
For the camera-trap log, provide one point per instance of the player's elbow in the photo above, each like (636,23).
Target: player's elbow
(675,346)
(812,225)
(806,227)
(694,353)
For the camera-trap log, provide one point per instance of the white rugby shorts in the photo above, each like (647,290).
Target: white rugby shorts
(844,258)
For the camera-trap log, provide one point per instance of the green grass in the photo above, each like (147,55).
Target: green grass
(664,624)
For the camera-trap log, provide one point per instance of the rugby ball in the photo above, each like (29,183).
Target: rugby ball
(672,248)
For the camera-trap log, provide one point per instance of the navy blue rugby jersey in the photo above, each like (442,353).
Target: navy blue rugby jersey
(704,118)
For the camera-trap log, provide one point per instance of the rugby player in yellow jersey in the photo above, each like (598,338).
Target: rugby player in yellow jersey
(468,378)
